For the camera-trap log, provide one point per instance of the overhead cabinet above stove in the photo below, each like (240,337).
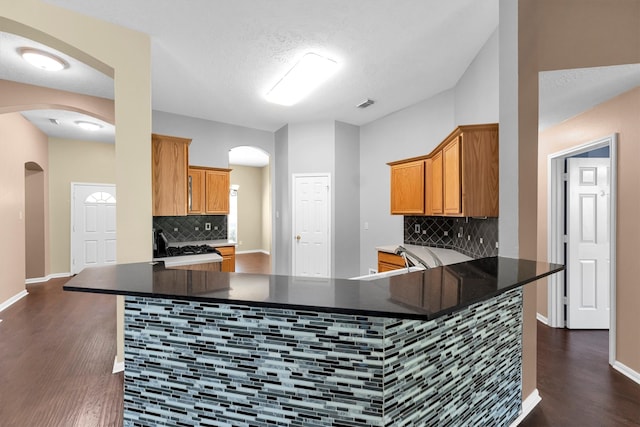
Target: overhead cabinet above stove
(458,178)
(180,189)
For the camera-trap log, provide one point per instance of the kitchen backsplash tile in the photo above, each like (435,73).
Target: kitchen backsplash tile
(183,228)
(478,237)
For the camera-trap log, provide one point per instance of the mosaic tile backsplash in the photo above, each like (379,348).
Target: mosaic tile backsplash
(473,237)
(193,363)
(183,228)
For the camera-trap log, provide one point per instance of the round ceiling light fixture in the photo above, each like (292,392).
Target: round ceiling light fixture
(89,125)
(43,60)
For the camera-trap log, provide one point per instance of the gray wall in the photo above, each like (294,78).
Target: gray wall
(211,141)
(477,92)
(414,131)
(347,201)
(281,259)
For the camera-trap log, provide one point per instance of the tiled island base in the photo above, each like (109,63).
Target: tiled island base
(195,363)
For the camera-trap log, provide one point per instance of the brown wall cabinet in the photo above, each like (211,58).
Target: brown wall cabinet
(169,164)
(208,190)
(460,176)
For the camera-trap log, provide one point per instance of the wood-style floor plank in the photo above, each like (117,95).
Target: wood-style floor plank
(256,263)
(57,349)
(577,385)
(56,357)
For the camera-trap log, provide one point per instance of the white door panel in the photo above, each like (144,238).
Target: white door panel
(93,228)
(588,243)
(311,226)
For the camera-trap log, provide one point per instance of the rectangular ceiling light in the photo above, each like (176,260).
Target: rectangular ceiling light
(306,75)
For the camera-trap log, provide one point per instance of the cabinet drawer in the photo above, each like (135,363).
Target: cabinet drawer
(226,250)
(393,259)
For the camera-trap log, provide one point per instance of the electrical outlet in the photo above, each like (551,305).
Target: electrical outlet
(416,228)
(468,237)
(481,240)
(496,245)
(207,226)
(197,228)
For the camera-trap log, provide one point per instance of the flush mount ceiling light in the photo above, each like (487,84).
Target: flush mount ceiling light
(89,125)
(43,60)
(306,75)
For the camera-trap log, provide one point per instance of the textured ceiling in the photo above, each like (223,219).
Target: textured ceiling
(215,59)
(567,93)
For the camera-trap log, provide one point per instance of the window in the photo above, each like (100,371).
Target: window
(100,197)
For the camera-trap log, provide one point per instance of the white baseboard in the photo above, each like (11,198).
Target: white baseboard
(542,319)
(13,299)
(527,406)
(253,251)
(47,278)
(626,371)
(117,366)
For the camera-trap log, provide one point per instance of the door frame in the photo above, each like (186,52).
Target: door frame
(555,237)
(293,219)
(73,218)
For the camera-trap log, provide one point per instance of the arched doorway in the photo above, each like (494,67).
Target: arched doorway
(251,195)
(34,220)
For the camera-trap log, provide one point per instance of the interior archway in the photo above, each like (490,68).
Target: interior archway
(251,184)
(34,220)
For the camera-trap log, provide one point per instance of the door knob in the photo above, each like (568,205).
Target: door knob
(298,237)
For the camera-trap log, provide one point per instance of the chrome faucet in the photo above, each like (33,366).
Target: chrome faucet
(403,252)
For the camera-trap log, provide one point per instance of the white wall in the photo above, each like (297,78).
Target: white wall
(414,131)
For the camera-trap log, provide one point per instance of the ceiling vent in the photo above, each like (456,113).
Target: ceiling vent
(366,103)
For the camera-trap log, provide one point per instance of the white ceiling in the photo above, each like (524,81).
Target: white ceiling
(215,59)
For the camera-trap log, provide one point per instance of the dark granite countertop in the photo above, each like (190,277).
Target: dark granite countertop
(418,295)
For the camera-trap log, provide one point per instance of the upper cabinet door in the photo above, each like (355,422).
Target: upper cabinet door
(407,188)
(451,178)
(435,184)
(196,191)
(169,163)
(217,189)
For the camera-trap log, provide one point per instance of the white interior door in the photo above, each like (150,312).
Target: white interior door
(588,243)
(311,225)
(93,228)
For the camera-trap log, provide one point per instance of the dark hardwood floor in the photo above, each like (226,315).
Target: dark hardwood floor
(257,262)
(56,356)
(577,385)
(57,349)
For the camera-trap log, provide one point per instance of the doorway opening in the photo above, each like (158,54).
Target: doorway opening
(558,233)
(249,220)
(34,220)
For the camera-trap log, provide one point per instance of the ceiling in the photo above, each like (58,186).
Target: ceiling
(215,59)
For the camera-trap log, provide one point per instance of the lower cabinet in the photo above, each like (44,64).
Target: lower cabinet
(228,258)
(388,262)
(210,266)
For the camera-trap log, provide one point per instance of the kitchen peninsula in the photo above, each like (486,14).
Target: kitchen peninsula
(434,347)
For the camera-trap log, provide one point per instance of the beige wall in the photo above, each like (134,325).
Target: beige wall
(73,161)
(618,115)
(250,209)
(553,35)
(125,55)
(20,142)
